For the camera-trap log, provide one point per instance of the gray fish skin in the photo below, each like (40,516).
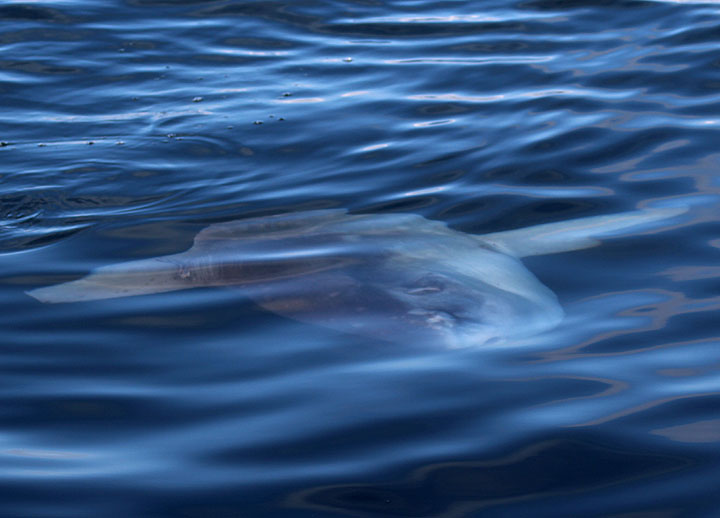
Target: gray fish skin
(397,277)
(142,277)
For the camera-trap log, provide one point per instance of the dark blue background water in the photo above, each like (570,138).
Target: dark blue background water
(128,126)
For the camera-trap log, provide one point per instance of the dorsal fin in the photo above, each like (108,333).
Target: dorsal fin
(270,227)
(575,234)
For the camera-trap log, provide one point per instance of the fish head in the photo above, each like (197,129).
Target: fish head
(463,311)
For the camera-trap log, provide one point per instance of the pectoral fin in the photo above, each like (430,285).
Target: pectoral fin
(576,234)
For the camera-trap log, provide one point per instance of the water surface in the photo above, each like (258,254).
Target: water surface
(128,126)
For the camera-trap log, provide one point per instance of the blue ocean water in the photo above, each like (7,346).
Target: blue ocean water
(128,126)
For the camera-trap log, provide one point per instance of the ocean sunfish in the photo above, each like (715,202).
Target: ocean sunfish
(397,277)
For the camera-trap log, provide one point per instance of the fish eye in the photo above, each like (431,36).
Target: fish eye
(427,285)
(424,290)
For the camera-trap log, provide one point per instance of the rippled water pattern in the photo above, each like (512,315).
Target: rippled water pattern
(127,127)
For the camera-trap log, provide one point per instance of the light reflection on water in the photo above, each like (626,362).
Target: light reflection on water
(129,126)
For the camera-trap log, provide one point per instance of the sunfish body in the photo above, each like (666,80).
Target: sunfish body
(398,277)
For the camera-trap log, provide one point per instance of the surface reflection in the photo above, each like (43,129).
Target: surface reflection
(516,481)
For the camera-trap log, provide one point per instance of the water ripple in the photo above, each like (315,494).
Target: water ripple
(127,126)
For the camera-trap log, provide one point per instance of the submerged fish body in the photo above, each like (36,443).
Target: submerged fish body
(398,277)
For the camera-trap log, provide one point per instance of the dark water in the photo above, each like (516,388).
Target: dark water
(129,126)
